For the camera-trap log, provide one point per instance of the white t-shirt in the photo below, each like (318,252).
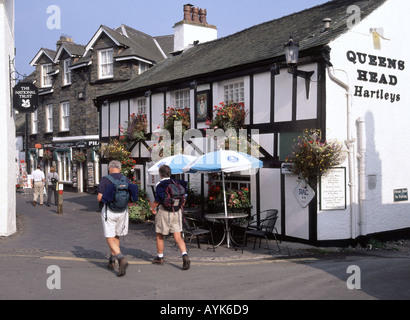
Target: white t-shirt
(38,175)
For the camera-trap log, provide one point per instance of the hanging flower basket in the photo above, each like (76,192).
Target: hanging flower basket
(172,115)
(228,116)
(79,157)
(136,128)
(48,155)
(312,158)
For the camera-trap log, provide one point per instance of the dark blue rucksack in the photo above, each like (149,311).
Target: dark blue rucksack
(121,196)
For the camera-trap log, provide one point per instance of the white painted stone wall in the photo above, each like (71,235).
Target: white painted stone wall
(188,32)
(387,120)
(7,125)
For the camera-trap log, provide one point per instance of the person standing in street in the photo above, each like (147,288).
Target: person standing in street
(167,221)
(38,184)
(51,182)
(114,213)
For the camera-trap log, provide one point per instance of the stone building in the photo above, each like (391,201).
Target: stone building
(66,125)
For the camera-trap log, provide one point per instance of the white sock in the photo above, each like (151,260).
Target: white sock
(184,253)
(160,255)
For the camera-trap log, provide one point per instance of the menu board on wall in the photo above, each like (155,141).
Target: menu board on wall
(333,190)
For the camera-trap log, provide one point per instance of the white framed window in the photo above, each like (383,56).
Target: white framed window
(105,64)
(49,118)
(143,67)
(65,116)
(181,99)
(141,106)
(46,80)
(64,165)
(67,72)
(34,122)
(234,92)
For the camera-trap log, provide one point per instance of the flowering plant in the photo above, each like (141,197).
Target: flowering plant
(79,156)
(312,157)
(47,155)
(238,199)
(117,150)
(228,116)
(136,129)
(139,210)
(172,115)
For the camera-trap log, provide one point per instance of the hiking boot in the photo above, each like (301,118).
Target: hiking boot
(123,267)
(111,264)
(158,261)
(186,262)
(34,203)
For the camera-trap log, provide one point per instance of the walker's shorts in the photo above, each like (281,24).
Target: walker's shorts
(168,221)
(116,224)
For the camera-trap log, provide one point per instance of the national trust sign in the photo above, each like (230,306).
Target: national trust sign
(25,98)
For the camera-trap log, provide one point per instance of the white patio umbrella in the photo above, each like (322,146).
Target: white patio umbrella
(176,163)
(223,161)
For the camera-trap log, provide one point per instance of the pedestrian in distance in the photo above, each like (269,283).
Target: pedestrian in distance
(169,219)
(115,191)
(51,182)
(38,180)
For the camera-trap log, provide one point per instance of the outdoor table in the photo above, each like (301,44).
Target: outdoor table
(227,219)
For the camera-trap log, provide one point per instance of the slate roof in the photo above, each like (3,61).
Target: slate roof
(136,43)
(263,42)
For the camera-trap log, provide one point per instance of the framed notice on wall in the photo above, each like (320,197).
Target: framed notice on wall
(333,190)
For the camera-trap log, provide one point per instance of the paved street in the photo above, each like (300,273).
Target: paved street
(64,257)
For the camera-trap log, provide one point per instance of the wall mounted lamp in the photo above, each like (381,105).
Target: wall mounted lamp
(292,59)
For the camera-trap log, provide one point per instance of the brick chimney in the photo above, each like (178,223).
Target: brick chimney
(193,28)
(64,39)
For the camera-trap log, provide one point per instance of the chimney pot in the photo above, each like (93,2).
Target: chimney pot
(327,22)
(202,16)
(188,12)
(195,16)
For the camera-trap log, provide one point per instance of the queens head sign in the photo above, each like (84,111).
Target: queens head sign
(25,97)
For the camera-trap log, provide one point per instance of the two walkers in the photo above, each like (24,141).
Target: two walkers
(115,220)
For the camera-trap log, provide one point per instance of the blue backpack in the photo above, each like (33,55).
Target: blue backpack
(121,196)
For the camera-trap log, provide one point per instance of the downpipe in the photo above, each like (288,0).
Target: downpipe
(350,143)
(361,123)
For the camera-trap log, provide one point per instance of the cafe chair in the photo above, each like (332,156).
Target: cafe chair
(193,227)
(262,229)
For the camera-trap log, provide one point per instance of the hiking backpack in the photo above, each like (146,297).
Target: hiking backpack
(174,196)
(121,196)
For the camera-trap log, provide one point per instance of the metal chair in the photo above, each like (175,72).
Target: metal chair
(262,228)
(193,227)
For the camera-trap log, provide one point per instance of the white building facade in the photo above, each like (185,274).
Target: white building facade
(356,95)
(7,124)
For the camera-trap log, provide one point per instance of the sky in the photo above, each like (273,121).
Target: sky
(40,23)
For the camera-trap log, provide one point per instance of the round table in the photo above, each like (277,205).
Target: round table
(229,218)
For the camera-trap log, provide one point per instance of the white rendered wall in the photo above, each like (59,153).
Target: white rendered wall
(7,125)
(387,120)
(187,33)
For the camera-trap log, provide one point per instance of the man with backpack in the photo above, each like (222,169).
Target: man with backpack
(115,191)
(169,198)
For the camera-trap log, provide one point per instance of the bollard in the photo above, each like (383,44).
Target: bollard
(60,199)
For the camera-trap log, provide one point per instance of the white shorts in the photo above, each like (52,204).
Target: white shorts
(116,224)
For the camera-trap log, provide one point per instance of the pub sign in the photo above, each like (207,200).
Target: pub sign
(25,97)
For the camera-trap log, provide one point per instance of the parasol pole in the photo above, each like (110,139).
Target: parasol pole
(226,208)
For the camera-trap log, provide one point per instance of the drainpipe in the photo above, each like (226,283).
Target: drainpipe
(350,142)
(362,176)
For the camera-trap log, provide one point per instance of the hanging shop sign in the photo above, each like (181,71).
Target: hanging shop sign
(304,194)
(401,195)
(25,98)
(376,70)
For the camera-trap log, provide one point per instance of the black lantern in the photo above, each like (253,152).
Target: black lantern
(292,59)
(292,52)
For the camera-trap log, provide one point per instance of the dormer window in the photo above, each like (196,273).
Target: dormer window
(67,72)
(105,64)
(46,80)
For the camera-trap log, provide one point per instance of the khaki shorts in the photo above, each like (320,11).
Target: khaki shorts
(168,221)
